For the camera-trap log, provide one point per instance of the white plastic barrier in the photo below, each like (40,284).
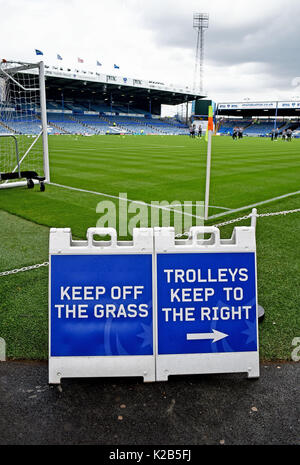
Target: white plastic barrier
(100,306)
(152,307)
(206,303)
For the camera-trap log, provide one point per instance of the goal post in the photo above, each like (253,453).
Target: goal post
(24,155)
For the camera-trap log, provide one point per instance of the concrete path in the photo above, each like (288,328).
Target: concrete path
(187,410)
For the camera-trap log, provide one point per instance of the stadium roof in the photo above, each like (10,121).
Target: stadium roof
(80,84)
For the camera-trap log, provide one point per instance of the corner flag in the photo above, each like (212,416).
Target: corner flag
(210,124)
(208,137)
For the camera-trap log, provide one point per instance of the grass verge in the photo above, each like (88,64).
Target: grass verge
(24,296)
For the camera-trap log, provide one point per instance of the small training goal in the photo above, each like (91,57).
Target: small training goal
(23,125)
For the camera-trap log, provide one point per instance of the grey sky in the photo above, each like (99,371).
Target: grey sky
(252,47)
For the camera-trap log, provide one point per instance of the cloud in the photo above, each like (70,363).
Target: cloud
(263,34)
(251,47)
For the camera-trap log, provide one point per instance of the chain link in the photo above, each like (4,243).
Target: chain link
(236,220)
(24,268)
(177,236)
(246,217)
(285,212)
(218,225)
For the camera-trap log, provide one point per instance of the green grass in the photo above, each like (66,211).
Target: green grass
(24,296)
(152,168)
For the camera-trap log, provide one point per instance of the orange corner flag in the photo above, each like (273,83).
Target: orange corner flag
(210,124)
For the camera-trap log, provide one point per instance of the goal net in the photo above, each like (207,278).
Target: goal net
(23,125)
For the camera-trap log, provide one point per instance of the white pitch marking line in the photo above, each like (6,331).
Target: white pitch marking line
(122,198)
(263,202)
(210,206)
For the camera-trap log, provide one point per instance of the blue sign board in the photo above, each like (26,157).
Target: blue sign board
(101,305)
(206,303)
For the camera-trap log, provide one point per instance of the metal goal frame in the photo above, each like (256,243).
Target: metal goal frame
(18,177)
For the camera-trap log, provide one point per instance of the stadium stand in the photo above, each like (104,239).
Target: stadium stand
(82,121)
(257,128)
(86,119)
(66,124)
(265,128)
(226,126)
(296,134)
(145,125)
(3,129)
(29,125)
(293,126)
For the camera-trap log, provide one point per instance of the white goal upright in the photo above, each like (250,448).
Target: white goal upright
(23,125)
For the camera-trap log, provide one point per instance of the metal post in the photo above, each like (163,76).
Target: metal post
(200,24)
(187,113)
(253,217)
(63,105)
(18,166)
(44,120)
(276,113)
(17,156)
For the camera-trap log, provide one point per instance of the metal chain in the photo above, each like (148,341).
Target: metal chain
(177,236)
(285,212)
(237,220)
(24,268)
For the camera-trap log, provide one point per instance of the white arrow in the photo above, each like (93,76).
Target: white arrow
(215,335)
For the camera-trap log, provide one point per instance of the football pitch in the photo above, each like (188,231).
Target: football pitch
(87,170)
(154,168)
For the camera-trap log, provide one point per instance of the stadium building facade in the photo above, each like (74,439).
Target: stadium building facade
(258,118)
